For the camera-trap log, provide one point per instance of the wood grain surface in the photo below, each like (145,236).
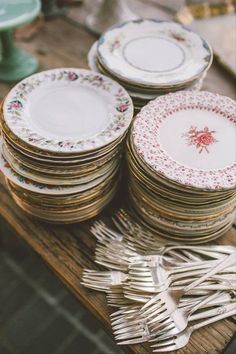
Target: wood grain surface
(67,249)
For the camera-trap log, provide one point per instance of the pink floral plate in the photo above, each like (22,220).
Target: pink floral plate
(189,138)
(68,111)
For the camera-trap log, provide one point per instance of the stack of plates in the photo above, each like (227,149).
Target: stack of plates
(181,156)
(151,58)
(62,133)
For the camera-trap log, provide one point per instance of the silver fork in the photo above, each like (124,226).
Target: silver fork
(182,339)
(130,327)
(102,280)
(114,255)
(154,271)
(116,298)
(135,233)
(153,280)
(178,319)
(162,304)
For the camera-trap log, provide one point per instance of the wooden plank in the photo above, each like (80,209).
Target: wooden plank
(68,249)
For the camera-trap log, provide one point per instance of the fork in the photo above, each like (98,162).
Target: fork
(178,319)
(116,298)
(102,280)
(147,241)
(129,326)
(180,340)
(115,255)
(153,271)
(153,280)
(164,303)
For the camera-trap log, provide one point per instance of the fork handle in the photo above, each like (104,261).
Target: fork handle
(224,312)
(206,313)
(206,300)
(228,261)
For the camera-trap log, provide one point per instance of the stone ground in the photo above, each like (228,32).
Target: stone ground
(38,315)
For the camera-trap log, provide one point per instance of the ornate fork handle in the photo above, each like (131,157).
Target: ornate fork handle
(208,313)
(227,262)
(223,312)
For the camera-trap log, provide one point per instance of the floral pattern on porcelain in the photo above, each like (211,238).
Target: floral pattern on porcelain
(122,101)
(201,139)
(122,113)
(114,45)
(196,59)
(15,106)
(147,145)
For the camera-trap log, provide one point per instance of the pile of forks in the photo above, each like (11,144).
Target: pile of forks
(161,292)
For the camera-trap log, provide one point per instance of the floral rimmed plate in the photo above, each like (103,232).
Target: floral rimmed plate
(138,94)
(67,110)
(189,138)
(45,178)
(154,53)
(32,186)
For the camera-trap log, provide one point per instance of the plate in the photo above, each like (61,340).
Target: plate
(58,180)
(32,186)
(52,111)
(154,53)
(59,169)
(189,138)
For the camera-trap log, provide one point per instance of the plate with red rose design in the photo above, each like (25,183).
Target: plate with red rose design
(189,138)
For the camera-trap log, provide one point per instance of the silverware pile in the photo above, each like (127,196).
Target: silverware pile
(162,292)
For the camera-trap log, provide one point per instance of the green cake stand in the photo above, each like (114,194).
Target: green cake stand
(15,64)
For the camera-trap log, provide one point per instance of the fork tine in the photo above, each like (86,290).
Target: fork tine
(127,327)
(132,341)
(168,348)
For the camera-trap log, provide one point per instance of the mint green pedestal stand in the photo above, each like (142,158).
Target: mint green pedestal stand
(16,64)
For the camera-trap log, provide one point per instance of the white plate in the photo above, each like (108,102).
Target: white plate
(189,137)
(32,186)
(44,178)
(154,53)
(68,110)
(92,56)
(139,94)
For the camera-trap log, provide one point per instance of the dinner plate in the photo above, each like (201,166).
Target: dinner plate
(154,53)
(30,185)
(70,217)
(189,138)
(61,202)
(52,111)
(57,160)
(135,92)
(147,91)
(61,169)
(48,179)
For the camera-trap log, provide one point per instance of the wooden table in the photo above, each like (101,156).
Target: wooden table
(68,249)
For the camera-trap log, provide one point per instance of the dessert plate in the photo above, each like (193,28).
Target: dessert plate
(189,139)
(154,53)
(52,111)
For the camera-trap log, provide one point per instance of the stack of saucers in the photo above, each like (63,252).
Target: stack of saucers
(151,58)
(182,163)
(62,134)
